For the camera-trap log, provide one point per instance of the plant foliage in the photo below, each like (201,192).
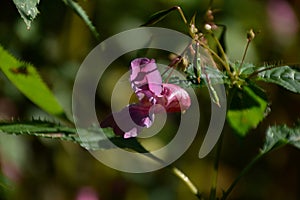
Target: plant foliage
(28,10)
(284,76)
(281,135)
(204,65)
(27,79)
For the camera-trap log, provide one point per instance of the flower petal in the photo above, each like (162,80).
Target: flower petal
(129,121)
(176,99)
(131,133)
(145,76)
(147,83)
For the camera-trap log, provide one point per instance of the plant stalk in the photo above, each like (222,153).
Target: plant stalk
(213,190)
(181,14)
(187,181)
(238,178)
(225,61)
(181,175)
(214,54)
(244,56)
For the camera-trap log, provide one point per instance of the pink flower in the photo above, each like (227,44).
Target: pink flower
(147,84)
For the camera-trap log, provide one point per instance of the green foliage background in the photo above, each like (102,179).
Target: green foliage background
(57,43)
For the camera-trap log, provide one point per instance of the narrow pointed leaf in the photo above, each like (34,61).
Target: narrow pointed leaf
(284,76)
(211,89)
(158,16)
(197,62)
(40,128)
(27,9)
(26,78)
(82,14)
(93,138)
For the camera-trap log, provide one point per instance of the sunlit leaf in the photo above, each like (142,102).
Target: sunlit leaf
(277,136)
(27,9)
(284,76)
(247,109)
(26,78)
(82,14)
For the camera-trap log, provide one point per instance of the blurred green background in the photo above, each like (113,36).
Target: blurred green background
(57,43)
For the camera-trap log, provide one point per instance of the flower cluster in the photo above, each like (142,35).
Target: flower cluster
(154,97)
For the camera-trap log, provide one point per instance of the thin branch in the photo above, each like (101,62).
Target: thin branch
(225,60)
(181,14)
(180,174)
(213,189)
(238,178)
(217,57)
(187,181)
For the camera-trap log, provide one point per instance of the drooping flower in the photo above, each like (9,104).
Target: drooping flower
(146,83)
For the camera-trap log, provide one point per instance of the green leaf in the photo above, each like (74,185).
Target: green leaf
(93,138)
(245,69)
(82,14)
(277,136)
(284,76)
(215,76)
(158,16)
(26,78)
(40,128)
(27,9)
(247,109)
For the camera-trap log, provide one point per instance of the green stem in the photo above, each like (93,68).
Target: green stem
(175,62)
(244,56)
(213,190)
(182,176)
(216,56)
(243,172)
(81,13)
(186,180)
(225,60)
(181,14)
